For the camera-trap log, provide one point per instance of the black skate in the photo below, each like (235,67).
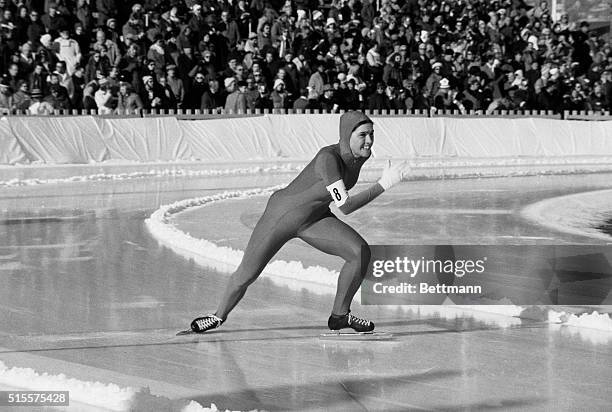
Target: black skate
(350,321)
(363,329)
(200,325)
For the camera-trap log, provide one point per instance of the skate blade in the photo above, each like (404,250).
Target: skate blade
(186,332)
(356,336)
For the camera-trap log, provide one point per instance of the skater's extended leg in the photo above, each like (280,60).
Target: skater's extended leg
(267,238)
(335,237)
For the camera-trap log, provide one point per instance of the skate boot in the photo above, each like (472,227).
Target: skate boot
(337,322)
(205,323)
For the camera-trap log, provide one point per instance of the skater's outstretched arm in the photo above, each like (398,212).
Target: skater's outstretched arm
(328,169)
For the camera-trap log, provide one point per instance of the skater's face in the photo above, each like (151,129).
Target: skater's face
(362,140)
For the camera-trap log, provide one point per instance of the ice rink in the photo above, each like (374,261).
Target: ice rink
(87,291)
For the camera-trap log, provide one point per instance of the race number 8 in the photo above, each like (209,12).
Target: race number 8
(338,192)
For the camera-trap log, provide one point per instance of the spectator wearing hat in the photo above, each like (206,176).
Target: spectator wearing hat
(152,95)
(432,85)
(45,52)
(212,99)
(128,101)
(193,93)
(443,100)
(378,100)
(351,97)
(235,101)
(176,84)
(279,95)
(328,102)
(288,81)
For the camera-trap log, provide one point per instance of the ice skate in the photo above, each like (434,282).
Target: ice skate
(362,329)
(201,325)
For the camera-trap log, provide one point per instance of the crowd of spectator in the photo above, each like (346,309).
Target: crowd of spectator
(331,55)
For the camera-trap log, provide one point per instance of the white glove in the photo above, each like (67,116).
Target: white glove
(392,175)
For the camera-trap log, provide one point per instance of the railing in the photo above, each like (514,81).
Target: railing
(211,113)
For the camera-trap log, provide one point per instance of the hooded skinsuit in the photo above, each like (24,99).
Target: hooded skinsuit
(302,210)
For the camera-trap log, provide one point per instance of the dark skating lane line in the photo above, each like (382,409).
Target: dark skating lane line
(256,339)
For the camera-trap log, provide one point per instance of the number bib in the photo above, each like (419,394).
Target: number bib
(338,192)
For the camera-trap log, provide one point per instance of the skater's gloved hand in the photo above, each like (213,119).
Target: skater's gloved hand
(392,174)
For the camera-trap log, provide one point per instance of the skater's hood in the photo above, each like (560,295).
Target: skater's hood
(349,121)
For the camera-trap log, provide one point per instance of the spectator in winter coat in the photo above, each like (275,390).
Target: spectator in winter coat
(212,99)
(317,80)
(104,97)
(379,100)
(21,99)
(106,9)
(279,95)
(236,100)
(70,51)
(176,84)
(6,97)
(128,100)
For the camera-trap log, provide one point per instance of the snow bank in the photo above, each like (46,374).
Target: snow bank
(95,394)
(423,169)
(173,172)
(321,280)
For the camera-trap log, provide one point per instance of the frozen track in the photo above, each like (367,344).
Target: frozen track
(85,291)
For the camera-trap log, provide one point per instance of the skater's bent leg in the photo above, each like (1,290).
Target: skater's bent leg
(265,241)
(335,237)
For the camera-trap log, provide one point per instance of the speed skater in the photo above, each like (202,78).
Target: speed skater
(301,210)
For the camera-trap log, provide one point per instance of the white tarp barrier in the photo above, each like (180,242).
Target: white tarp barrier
(491,137)
(74,139)
(410,137)
(86,139)
(242,138)
(302,135)
(10,150)
(144,139)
